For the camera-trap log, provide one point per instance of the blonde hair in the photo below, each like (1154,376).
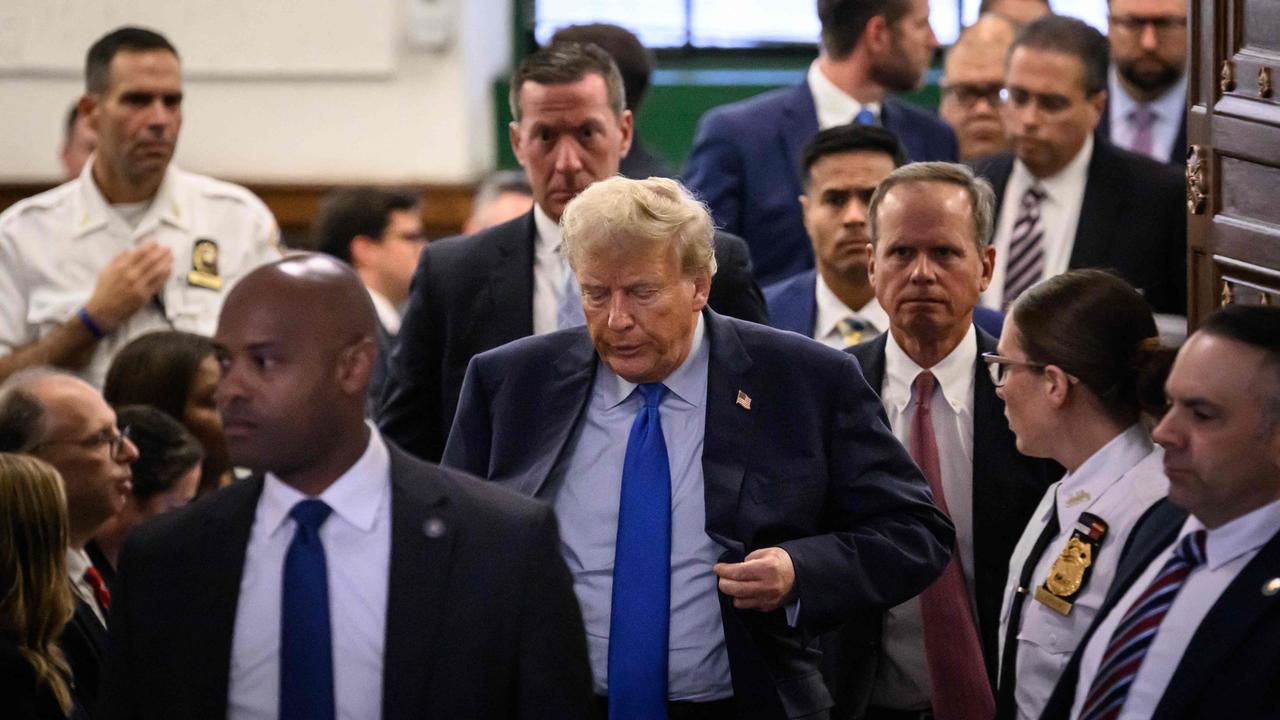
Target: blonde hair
(36,601)
(638,214)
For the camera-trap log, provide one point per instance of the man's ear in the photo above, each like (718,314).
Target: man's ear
(355,366)
(362,249)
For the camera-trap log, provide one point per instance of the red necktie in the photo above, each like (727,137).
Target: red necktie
(100,590)
(957,675)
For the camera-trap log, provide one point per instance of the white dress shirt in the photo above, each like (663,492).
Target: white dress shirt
(549,267)
(1059,218)
(833,105)
(902,675)
(78,563)
(1117,483)
(1228,549)
(388,314)
(1168,108)
(357,547)
(831,310)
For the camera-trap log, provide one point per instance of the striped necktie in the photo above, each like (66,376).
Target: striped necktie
(853,330)
(1026,251)
(1136,631)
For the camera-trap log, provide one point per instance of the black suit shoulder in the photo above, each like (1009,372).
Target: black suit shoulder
(498,510)
(734,291)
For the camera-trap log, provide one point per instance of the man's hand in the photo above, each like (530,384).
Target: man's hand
(127,283)
(764,581)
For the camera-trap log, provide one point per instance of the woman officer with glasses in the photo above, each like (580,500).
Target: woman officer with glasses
(1079,363)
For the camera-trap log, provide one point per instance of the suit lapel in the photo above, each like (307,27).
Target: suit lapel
(422,540)
(799,124)
(511,286)
(564,399)
(1227,626)
(997,173)
(1096,231)
(870,355)
(724,451)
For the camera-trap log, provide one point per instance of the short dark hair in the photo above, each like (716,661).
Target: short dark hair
(633,59)
(166,451)
(568,62)
(1095,326)
(22,421)
(843,21)
(1070,36)
(987,6)
(352,211)
(1256,326)
(850,138)
(157,369)
(97,64)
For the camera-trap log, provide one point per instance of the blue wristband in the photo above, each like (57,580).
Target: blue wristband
(89,324)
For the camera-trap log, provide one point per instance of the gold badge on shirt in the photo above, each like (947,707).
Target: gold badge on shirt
(1074,565)
(204,265)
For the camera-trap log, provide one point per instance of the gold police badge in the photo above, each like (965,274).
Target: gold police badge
(1073,566)
(204,265)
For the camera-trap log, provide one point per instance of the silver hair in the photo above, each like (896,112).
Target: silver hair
(982,199)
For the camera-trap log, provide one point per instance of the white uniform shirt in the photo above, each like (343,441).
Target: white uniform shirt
(549,267)
(1228,549)
(833,105)
(357,548)
(1117,483)
(1168,109)
(831,310)
(54,245)
(902,676)
(1059,218)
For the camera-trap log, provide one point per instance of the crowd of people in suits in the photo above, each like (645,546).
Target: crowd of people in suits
(954,460)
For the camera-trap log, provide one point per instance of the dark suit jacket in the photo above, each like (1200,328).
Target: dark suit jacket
(481,622)
(641,162)
(475,292)
(745,164)
(1007,487)
(793,306)
(84,642)
(1230,669)
(1177,154)
(810,467)
(1132,220)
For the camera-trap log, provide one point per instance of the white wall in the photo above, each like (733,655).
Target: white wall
(429,118)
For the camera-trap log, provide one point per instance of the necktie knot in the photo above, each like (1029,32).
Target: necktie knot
(864,117)
(100,591)
(652,393)
(1191,550)
(1142,117)
(1034,196)
(853,329)
(310,514)
(922,390)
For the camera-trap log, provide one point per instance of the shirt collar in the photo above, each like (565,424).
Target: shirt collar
(832,105)
(831,310)
(954,373)
(78,563)
(1237,537)
(388,315)
(1168,106)
(93,211)
(1103,469)
(355,496)
(687,382)
(1074,175)
(549,237)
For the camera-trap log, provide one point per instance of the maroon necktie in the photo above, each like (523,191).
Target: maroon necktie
(100,590)
(957,675)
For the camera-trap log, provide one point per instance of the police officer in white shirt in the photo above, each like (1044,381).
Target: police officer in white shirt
(1076,366)
(132,245)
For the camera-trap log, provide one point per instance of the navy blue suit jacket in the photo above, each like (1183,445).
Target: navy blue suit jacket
(811,466)
(1231,668)
(794,306)
(745,164)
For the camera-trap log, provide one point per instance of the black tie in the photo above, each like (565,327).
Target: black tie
(1005,706)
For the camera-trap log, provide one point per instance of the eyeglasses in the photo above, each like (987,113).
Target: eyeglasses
(999,366)
(112,439)
(1135,24)
(968,94)
(1048,103)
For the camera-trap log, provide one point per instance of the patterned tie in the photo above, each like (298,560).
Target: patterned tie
(853,329)
(1009,658)
(957,678)
(1137,629)
(865,117)
(569,313)
(306,645)
(640,615)
(100,591)
(1142,119)
(1026,255)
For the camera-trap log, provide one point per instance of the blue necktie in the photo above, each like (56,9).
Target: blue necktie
(306,652)
(641,610)
(569,313)
(865,117)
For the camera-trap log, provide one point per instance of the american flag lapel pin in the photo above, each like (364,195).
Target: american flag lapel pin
(744,400)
